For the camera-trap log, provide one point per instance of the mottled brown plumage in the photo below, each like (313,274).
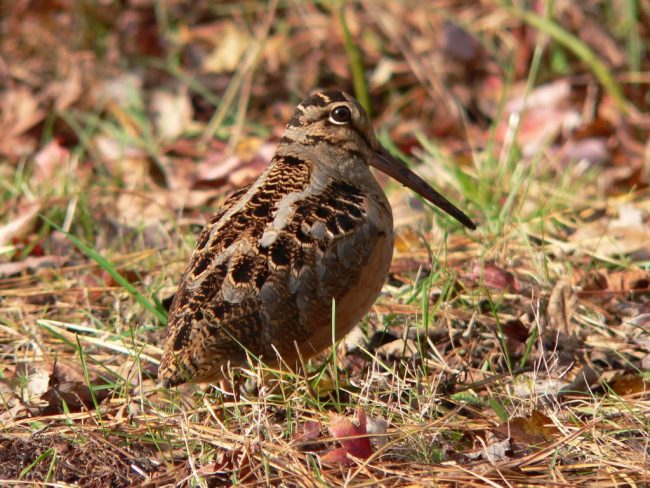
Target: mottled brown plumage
(315,226)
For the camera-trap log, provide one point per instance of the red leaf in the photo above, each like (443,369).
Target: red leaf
(495,277)
(50,158)
(353,438)
(309,432)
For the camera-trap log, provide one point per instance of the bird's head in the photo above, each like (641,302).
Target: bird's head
(337,120)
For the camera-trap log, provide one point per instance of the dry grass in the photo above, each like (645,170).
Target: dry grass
(515,355)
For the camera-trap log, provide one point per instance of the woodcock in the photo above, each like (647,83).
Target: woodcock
(315,227)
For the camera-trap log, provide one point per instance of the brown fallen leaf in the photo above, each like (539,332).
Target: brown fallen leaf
(251,153)
(593,150)
(546,113)
(624,235)
(227,461)
(66,91)
(494,276)
(629,384)
(629,280)
(68,384)
(308,432)
(591,280)
(397,349)
(516,334)
(561,306)
(19,225)
(51,157)
(28,380)
(353,439)
(607,288)
(30,263)
(172,112)
(493,450)
(460,46)
(533,430)
(247,173)
(229,42)
(20,112)
(586,378)
(131,165)
(146,207)
(549,95)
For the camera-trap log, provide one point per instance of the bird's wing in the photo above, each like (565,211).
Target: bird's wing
(252,286)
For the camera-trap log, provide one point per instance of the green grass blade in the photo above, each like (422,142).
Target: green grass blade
(578,48)
(356,63)
(107,266)
(41,457)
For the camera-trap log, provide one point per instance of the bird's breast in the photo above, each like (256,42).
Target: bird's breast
(351,273)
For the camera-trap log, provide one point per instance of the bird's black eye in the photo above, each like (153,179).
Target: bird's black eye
(340,115)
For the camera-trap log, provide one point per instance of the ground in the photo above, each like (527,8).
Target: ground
(515,354)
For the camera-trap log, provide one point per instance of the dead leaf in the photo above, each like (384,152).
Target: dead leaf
(68,385)
(20,225)
(406,237)
(230,44)
(561,306)
(624,235)
(382,73)
(516,334)
(516,330)
(378,428)
(309,431)
(493,450)
(629,280)
(8,392)
(146,207)
(629,384)
(609,288)
(583,381)
(247,174)
(534,430)
(46,385)
(130,165)
(227,461)
(67,90)
(74,396)
(494,276)
(30,379)
(545,113)
(496,451)
(20,112)
(550,95)
(398,349)
(47,161)
(30,263)
(353,439)
(532,385)
(593,150)
(218,166)
(460,45)
(124,90)
(592,280)
(172,112)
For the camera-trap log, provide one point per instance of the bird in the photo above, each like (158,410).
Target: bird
(313,229)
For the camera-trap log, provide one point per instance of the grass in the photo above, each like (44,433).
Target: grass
(472,356)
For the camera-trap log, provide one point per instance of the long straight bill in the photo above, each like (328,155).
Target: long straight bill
(396,169)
